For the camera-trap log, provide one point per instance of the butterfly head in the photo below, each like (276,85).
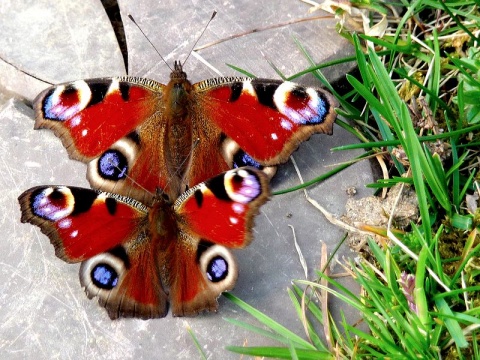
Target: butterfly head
(161,197)
(178,74)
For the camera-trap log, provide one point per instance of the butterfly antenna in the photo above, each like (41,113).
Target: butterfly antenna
(203,32)
(146,37)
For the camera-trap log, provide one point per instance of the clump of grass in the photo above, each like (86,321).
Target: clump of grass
(420,85)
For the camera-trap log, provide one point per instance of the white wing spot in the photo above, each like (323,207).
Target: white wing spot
(248,181)
(274,136)
(74,234)
(242,173)
(114,86)
(248,88)
(287,125)
(76,120)
(84,132)
(238,208)
(295,115)
(233,220)
(65,223)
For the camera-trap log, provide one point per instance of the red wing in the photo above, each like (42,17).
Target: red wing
(80,223)
(89,116)
(222,209)
(118,127)
(268,119)
(207,159)
(212,215)
(127,281)
(136,169)
(199,273)
(109,234)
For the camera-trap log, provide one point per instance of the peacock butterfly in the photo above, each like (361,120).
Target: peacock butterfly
(135,258)
(138,136)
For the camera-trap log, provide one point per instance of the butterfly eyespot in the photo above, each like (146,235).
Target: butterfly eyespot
(236,157)
(103,272)
(304,106)
(242,186)
(219,266)
(64,102)
(113,165)
(104,276)
(54,203)
(217,269)
(241,158)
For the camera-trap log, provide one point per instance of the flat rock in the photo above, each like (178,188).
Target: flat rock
(46,42)
(44,312)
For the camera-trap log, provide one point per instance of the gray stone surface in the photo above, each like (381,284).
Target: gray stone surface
(54,41)
(44,313)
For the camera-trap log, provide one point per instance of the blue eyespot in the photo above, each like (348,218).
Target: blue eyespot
(241,158)
(217,269)
(104,276)
(321,110)
(113,165)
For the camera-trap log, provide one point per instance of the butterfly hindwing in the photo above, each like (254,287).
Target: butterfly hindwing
(129,168)
(127,281)
(198,275)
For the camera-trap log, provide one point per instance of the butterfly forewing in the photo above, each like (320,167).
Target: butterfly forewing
(222,209)
(91,115)
(69,215)
(268,119)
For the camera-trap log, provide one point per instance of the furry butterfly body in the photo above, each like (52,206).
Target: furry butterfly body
(138,135)
(137,258)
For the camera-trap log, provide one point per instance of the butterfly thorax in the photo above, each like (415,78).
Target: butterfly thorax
(162,224)
(178,93)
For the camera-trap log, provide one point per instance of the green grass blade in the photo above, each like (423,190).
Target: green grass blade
(310,305)
(434,80)
(281,353)
(257,330)
(203,356)
(452,325)
(269,322)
